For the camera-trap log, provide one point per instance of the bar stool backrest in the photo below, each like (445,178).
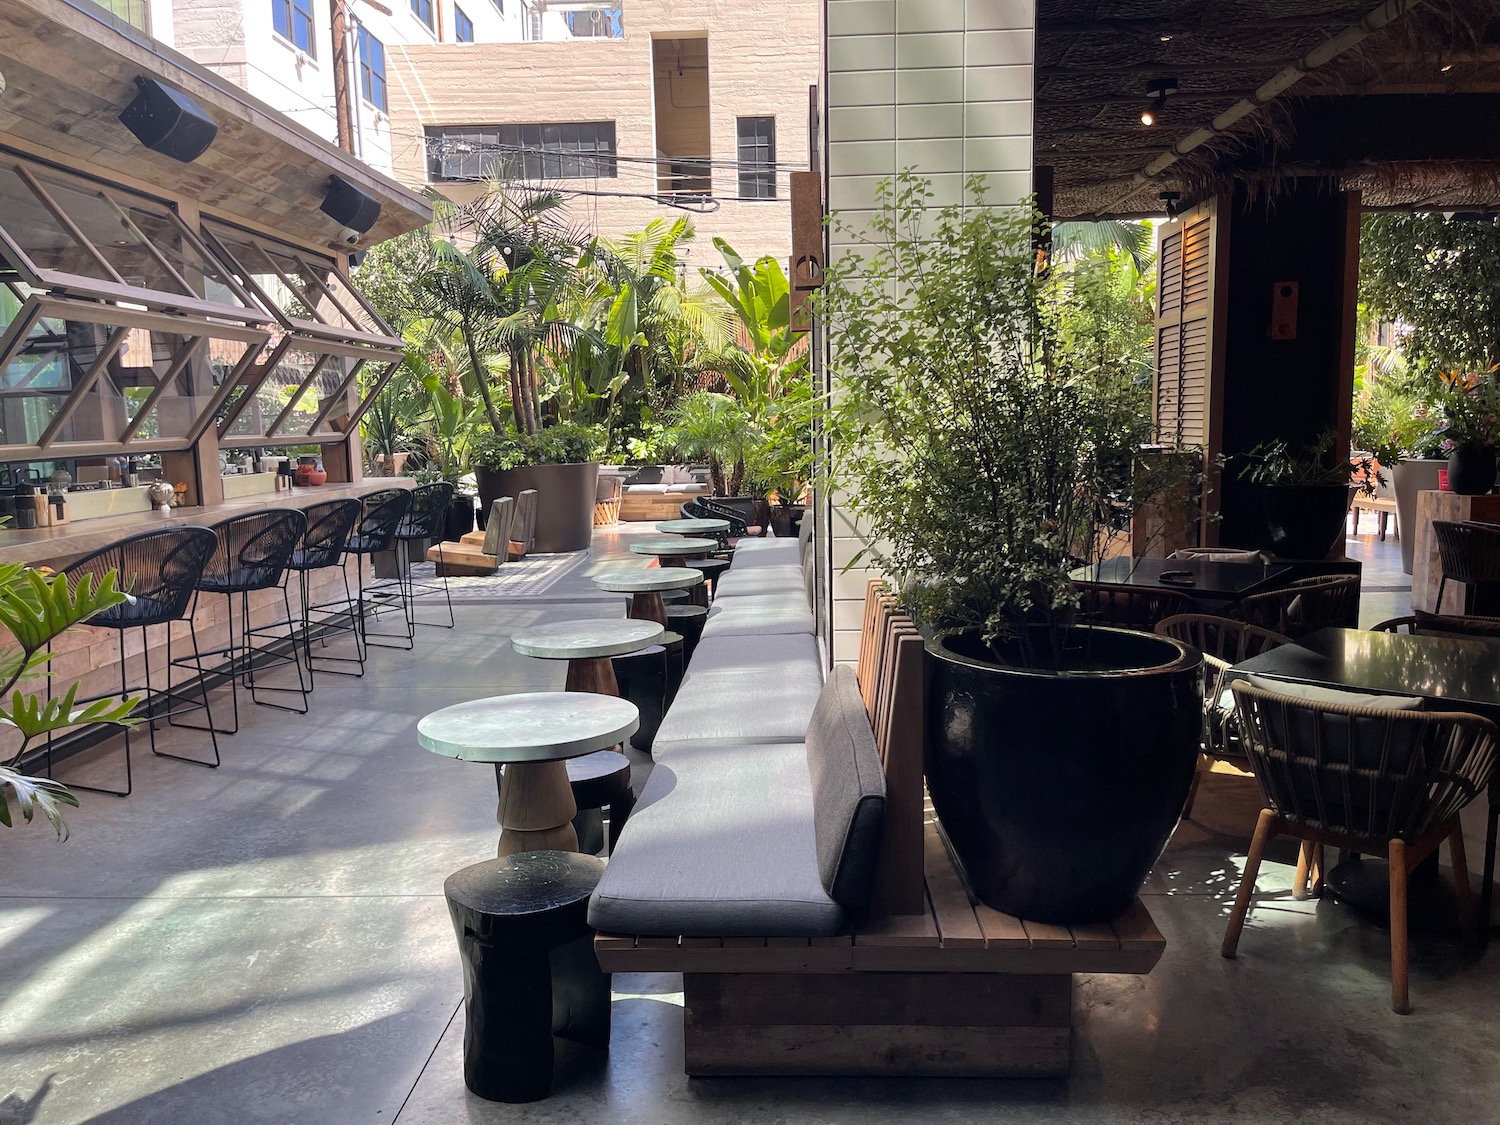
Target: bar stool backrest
(158,569)
(253,549)
(382,514)
(1469,551)
(428,513)
(328,527)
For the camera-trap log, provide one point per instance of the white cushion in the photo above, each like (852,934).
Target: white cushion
(1314,693)
(760,614)
(758,580)
(750,553)
(745,689)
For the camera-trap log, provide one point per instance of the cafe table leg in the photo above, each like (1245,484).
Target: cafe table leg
(536,808)
(594,674)
(646,605)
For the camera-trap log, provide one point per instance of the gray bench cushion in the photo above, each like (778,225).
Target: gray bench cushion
(721,845)
(745,689)
(759,580)
(848,790)
(749,553)
(760,614)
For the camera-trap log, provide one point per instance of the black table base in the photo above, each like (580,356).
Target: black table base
(1431,896)
(529,968)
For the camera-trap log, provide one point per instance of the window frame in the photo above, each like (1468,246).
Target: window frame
(368,75)
(753,172)
(525,159)
(462,23)
(429,21)
(291,10)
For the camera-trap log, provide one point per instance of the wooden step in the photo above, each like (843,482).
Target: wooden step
(461,560)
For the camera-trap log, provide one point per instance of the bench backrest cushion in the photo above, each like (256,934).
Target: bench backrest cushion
(848,790)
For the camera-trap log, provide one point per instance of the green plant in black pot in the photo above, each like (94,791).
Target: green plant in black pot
(1470,406)
(987,457)
(1306,492)
(559,463)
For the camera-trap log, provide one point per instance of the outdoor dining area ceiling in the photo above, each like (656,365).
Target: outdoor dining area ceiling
(1264,88)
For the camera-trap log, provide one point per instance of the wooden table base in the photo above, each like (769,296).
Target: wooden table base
(595,673)
(536,808)
(646,605)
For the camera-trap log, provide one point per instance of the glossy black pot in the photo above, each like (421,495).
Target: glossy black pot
(1305,520)
(1059,789)
(1471,470)
(460,519)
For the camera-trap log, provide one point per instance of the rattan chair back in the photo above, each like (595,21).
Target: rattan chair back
(1223,638)
(252,550)
(428,514)
(1304,606)
(158,569)
(328,527)
(1469,552)
(381,516)
(1129,607)
(1364,772)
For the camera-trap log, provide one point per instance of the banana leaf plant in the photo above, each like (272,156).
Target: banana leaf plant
(36,607)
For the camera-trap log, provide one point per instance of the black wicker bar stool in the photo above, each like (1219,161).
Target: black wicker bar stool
(329,526)
(424,521)
(159,571)
(251,555)
(380,517)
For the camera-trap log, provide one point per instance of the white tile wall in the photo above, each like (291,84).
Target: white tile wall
(944,86)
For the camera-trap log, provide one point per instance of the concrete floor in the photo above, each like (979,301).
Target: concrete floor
(267,942)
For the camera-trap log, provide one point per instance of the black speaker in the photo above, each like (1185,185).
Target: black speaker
(168,121)
(346,205)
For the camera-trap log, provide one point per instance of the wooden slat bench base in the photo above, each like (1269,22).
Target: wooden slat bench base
(898,995)
(460,560)
(984,1025)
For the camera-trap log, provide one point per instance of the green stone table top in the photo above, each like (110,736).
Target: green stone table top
(692,526)
(648,578)
(534,726)
(592,638)
(674,545)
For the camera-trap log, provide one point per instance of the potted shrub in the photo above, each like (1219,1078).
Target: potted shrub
(557,462)
(1306,493)
(781,466)
(1470,406)
(719,429)
(987,457)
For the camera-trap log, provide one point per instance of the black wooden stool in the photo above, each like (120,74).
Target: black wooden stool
(689,621)
(649,679)
(529,968)
(600,780)
(712,569)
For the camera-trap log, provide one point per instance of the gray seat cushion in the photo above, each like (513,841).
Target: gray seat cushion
(848,790)
(745,689)
(760,614)
(759,580)
(749,553)
(721,845)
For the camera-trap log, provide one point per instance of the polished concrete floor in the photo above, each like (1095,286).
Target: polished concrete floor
(268,942)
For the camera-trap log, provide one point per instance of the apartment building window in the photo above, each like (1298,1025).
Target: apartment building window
(137,13)
(565,151)
(463,26)
(293,21)
(757,155)
(499,6)
(424,11)
(372,70)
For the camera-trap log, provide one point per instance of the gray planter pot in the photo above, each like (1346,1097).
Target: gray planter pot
(565,501)
(1411,477)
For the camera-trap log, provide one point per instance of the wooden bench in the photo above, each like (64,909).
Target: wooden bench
(651,507)
(932,983)
(1384,510)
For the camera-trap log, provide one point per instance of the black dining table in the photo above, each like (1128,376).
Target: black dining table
(1204,578)
(1459,674)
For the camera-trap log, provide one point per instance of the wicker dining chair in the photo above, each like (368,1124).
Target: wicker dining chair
(1224,642)
(1129,607)
(1423,624)
(1304,606)
(1366,778)
(1469,553)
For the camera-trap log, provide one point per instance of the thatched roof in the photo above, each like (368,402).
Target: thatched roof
(1096,58)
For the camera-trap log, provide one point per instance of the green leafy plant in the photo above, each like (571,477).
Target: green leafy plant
(1470,408)
(985,451)
(719,429)
(36,607)
(1279,463)
(563,444)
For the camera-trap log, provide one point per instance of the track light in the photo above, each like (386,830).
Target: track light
(1158,89)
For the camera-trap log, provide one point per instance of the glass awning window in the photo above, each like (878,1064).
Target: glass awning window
(123,329)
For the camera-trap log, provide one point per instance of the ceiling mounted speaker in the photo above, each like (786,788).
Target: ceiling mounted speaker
(346,205)
(168,121)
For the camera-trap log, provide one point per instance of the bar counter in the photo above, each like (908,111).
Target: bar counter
(57,546)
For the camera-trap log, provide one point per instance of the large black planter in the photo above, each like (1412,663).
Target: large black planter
(1305,520)
(786,519)
(1059,789)
(1471,470)
(564,501)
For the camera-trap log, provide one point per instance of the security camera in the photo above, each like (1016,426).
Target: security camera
(349,235)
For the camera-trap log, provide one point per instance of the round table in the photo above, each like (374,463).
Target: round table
(587,646)
(672,549)
(532,735)
(645,586)
(693,527)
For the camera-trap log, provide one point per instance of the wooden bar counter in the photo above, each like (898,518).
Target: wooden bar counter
(1427,571)
(91,656)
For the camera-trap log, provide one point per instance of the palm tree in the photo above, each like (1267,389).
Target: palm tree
(1072,241)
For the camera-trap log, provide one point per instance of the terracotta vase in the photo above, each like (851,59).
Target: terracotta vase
(310,472)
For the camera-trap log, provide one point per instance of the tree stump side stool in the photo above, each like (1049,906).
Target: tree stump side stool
(529,968)
(688,620)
